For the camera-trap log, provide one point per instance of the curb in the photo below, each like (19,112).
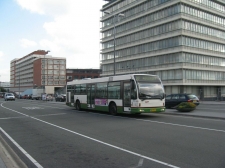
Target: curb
(197,116)
(9,157)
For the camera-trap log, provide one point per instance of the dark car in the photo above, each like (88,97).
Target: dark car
(29,96)
(174,99)
(61,98)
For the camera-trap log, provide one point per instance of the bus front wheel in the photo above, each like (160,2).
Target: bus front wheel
(113,109)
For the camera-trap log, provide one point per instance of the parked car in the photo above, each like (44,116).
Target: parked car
(24,96)
(29,96)
(9,96)
(174,99)
(61,98)
(1,96)
(47,97)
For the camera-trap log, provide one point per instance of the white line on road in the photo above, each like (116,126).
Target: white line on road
(211,109)
(53,106)
(22,150)
(180,125)
(96,140)
(49,106)
(44,115)
(186,116)
(7,118)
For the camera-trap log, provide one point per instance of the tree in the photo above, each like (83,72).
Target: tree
(2,89)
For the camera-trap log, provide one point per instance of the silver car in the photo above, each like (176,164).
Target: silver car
(9,96)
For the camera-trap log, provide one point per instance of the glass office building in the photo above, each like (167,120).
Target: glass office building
(181,41)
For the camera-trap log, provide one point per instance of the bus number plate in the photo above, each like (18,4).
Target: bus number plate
(153,110)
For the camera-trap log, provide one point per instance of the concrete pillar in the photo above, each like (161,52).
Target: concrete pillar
(201,93)
(181,89)
(68,97)
(218,93)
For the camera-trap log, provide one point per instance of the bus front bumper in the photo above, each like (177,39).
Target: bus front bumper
(148,110)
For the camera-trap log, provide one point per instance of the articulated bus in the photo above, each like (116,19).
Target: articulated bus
(133,93)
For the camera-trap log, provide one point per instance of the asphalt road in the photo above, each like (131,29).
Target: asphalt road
(54,135)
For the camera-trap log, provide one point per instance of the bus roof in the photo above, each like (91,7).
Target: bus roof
(106,79)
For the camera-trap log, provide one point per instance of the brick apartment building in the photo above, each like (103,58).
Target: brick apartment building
(38,70)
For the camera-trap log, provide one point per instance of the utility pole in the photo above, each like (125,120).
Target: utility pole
(45,64)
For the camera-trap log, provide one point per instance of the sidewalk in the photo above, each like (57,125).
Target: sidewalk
(217,114)
(8,158)
(212,102)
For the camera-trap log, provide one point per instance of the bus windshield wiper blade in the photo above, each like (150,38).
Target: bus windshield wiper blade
(146,96)
(158,97)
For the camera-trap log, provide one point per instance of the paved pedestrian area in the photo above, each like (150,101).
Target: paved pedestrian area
(218,114)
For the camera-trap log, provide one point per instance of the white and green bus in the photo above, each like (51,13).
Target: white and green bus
(133,93)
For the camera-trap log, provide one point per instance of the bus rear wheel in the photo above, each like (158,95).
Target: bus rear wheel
(78,107)
(113,109)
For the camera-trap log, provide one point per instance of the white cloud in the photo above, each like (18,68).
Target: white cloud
(1,53)
(4,75)
(1,56)
(74,32)
(25,43)
(4,72)
(52,7)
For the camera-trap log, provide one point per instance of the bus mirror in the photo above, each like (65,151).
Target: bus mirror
(132,84)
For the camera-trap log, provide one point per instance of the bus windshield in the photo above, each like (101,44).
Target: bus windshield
(150,91)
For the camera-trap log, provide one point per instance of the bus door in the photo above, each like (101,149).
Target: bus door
(127,96)
(90,95)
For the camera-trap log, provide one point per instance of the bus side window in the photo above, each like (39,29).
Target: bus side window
(77,89)
(114,90)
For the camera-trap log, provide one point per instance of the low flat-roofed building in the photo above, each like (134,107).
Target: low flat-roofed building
(76,74)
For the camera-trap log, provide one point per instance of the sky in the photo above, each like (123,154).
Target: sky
(67,28)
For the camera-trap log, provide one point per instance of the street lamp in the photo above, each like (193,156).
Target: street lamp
(46,52)
(114,38)
(19,79)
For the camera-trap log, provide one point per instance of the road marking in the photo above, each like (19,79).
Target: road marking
(209,129)
(96,140)
(44,115)
(32,108)
(22,150)
(180,125)
(186,116)
(46,106)
(7,118)
(211,109)
(140,163)
(42,105)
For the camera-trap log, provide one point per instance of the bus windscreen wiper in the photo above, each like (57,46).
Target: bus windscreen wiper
(150,96)
(145,96)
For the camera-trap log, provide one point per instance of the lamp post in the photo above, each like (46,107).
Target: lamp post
(19,79)
(46,52)
(114,38)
